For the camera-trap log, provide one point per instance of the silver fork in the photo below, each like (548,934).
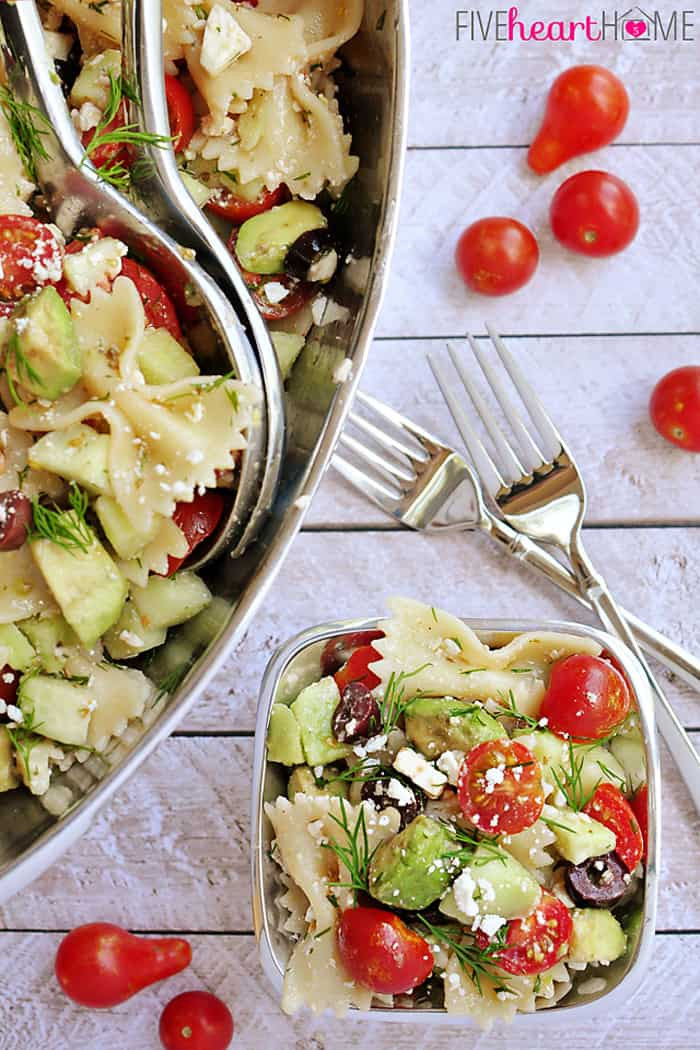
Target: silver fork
(539,491)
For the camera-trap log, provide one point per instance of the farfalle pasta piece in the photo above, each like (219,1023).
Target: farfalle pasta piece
(15,187)
(531,848)
(326,26)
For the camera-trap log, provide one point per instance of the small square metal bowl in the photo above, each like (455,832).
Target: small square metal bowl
(296,665)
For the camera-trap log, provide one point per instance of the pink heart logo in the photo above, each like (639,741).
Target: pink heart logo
(635,28)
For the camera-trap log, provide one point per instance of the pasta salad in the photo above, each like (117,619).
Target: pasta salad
(464,824)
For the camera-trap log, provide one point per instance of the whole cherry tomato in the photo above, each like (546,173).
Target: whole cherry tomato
(196,520)
(675,407)
(237,208)
(180,112)
(338,650)
(500,787)
(380,952)
(534,944)
(357,668)
(101,964)
(594,213)
(110,154)
(157,304)
(586,698)
(496,256)
(587,108)
(610,807)
(196,1021)
(640,808)
(30,256)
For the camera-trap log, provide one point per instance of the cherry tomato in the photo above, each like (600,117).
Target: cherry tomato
(357,668)
(496,256)
(196,520)
(537,942)
(237,209)
(180,112)
(640,808)
(9,684)
(500,787)
(675,407)
(30,256)
(380,952)
(110,153)
(587,108)
(610,807)
(196,1021)
(101,964)
(586,698)
(338,651)
(157,304)
(594,213)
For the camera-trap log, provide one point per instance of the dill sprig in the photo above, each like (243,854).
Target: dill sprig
(393,704)
(206,386)
(570,781)
(361,773)
(171,681)
(66,528)
(556,824)
(27,125)
(509,709)
(356,855)
(476,962)
(474,841)
(24,739)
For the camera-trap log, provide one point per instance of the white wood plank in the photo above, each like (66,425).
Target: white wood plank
(597,392)
(650,287)
(476,92)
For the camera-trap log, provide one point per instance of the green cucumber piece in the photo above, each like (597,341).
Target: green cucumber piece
(597,936)
(8,777)
(302,781)
(501,886)
(49,635)
(15,650)
(124,537)
(288,346)
(162,360)
(168,600)
(92,83)
(59,709)
(284,737)
(77,453)
(578,835)
(130,636)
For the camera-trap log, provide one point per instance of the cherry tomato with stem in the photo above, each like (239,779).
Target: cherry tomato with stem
(496,256)
(196,520)
(610,807)
(585,699)
(196,1021)
(338,650)
(237,208)
(675,407)
(357,669)
(534,944)
(180,112)
(640,807)
(594,213)
(381,952)
(30,256)
(500,787)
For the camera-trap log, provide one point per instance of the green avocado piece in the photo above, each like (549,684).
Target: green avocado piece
(597,936)
(42,352)
(442,724)
(49,635)
(302,780)
(501,886)
(162,359)
(15,650)
(264,240)
(412,869)
(313,710)
(284,737)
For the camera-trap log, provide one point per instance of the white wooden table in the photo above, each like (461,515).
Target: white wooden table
(171,853)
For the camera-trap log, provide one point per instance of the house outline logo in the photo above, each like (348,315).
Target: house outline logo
(629,25)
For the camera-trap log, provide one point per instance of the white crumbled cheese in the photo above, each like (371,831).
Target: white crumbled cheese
(487,891)
(375,743)
(494,775)
(3,706)
(453,979)
(488,924)
(275,292)
(399,792)
(195,456)
(451,646)
(97,261)
(463,888)
(15,713)
(129,638)
(343,371)
(8,678)
(223,42)
(420,771)
(450,763)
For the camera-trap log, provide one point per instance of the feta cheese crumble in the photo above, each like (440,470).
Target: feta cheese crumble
(420,771)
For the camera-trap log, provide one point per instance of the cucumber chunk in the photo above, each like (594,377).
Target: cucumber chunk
(130,635)
(59,709)
(42,353)
(126,539)
(50,635)
(8,777)
(264,240)
(302,781)
(597,936)
(313,710)
(288,346)
(15,650)
(284,737)
(628,748)
(92,83)
(77,453)
(578,835)
(162,359)
(167,601)
(499,885)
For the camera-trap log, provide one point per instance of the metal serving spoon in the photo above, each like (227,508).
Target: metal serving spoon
(167,201)
(76,197)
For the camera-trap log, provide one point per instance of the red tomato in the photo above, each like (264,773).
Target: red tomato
(536,943)
(298,294)
(610,807)
(30,256)
(381,953)
(110,153)
(6,309)
(9,684)
(157,304)
(180,112)
(496,256)
(587,108)
(338,650)
(101,964)
(237,209)
(594,213)
(196,520)
(675,407)
(357,668)
(586,698)
(196,1021)
(504,801)
(640,808)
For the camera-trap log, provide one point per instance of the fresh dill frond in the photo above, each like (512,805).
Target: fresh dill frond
(356,855)
(509,709)
(66,528)
(27,125)
(24,739)
(473,670)
(171,681)
(475,841)
(555,824)
(361,773)
(393,704)
(476,962)
(570,781)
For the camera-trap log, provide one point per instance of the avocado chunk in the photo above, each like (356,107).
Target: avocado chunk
(168,600)
(87,585)
(50,635)
(284,737)
(313,710)
(492,883)
(303,781)
(42,352)
(162,359)
(130,636)
(15,650)
(264,240)
(413,869)
(578,835)
(78,453)
(597,936)
(442,724)
(8,777)
(58,708)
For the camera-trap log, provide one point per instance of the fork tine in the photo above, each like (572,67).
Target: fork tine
(374,490)
(486,468)
(400,422)
(388,441)
(387,469)
(552,442)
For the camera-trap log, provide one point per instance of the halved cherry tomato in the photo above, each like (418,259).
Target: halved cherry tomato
(500,787)
(496,256)
(30,256)
(110,153)
(380,952)
(640,807)
(586,698)
(180,112)
(537,942)
(587,108)
(594,213)
(357,669)
(298,294)
(157,304)
(196,1021)
(6,308)
(338,651)
(610,807)
(237,209)
(675,407)
(196,520)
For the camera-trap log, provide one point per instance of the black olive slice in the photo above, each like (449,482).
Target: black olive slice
(312,257)
(411,800)
(598,882)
